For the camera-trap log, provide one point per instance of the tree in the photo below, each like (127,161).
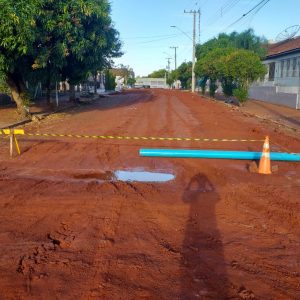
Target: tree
(233,68)
(244,67)
(212,67)
(55,40)
(184,74)
(131,81)
(158,74)
(245,40)
(81,40)
(110,80)
(17,35)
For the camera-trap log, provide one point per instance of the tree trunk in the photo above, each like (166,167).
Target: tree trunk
(19,94)
(95,83)
(48,95)
(48,85)
(72,93)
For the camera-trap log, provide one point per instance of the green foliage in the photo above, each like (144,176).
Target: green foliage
(231,67)
(46,41)
(245,40)
(241,94)
(110,81)
(158,74)
(212,88)
(4,88)
(184,74)
(131,81)
(202,84)
(228,86)
(210,65)
(172,77)
(213,68)
(244,67)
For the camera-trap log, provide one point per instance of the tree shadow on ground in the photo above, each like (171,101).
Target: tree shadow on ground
(203,267)
(110,102)
(100,103)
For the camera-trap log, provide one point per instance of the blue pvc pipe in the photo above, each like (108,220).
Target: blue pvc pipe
(219,154)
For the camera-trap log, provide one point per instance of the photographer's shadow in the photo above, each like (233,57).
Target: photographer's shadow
(203,267)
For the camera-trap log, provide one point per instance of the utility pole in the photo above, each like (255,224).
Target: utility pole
(175,48)
(169,64)
(194,13)
(168,69)
(199,27)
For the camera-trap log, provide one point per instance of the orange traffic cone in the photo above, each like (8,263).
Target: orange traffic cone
(264,163)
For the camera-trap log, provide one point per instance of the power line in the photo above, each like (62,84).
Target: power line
(262,3)
(158,40)
(222,11)
(150,36)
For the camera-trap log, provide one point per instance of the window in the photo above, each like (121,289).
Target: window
(281,68)
(294,67)
(288,62)
(271,71)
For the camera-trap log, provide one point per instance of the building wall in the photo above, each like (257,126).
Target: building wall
(281,86)
(269,94)
(152,82)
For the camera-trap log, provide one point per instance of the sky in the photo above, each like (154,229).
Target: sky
(146,32)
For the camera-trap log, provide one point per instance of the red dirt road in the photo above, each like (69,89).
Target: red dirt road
(217,231)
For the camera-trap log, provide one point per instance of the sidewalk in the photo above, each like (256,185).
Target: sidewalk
(280,114)
(9,115)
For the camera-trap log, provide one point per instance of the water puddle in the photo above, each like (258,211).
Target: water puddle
(128,176)
(135,175)
(142,176)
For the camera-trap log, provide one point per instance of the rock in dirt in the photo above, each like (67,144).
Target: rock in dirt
(59,242)
(252,167)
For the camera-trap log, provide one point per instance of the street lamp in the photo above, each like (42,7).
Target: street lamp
(174,26)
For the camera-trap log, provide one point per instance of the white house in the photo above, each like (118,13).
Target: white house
(281,85)
(158,83)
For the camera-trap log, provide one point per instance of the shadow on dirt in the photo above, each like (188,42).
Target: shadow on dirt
(110,102)
(107,102)
(203,268)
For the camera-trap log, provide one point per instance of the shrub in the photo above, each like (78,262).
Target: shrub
(241,94)
(212,88)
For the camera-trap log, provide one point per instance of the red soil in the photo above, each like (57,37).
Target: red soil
(216,231)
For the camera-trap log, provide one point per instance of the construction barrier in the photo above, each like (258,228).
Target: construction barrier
(111,137)
(12,133)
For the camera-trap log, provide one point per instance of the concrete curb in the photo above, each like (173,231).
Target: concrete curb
(19,123)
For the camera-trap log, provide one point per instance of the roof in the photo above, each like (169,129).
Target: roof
(284,47)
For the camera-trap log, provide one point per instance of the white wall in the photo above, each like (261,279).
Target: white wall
(287,73)
(285,88)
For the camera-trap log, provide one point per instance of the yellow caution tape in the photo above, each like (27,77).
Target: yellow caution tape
(110,137)
(14,131)
(19,131)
